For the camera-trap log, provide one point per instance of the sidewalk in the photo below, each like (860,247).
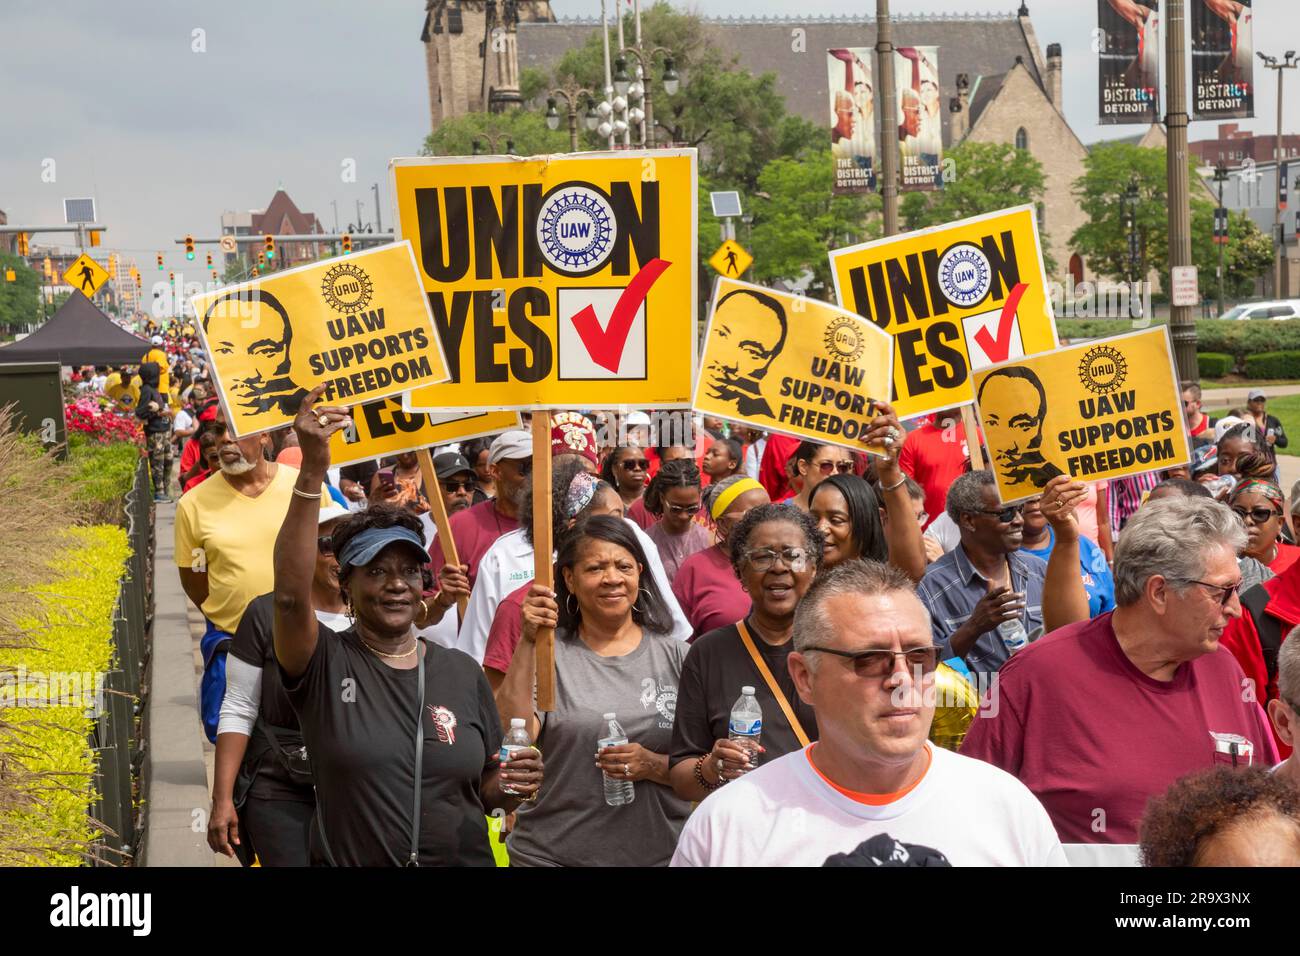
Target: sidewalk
(178,761)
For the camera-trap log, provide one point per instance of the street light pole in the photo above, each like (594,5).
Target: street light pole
(1182,324)
(1220,177)
(888,118)
(1288,62)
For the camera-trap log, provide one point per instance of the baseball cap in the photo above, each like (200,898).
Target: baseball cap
(515,443)
(1256,394)
(332,511)
(450,463)
(157,340)
(1222,426)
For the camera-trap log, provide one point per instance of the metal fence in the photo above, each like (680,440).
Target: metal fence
(115,737)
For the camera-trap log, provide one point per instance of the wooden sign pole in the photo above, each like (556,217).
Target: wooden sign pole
(543,566)
(973,443)
(438,511)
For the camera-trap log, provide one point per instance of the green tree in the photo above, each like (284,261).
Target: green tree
(988,177)
(526,129)
(1247,255)
(20,300)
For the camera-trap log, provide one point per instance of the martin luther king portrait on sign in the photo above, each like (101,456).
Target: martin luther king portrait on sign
(748,333)
(1013,406)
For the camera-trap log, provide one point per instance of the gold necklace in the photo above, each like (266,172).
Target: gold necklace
(391,657)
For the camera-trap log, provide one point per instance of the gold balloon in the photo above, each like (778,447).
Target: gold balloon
(956,703)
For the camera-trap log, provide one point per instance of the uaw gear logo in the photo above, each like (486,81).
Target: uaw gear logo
(1102,369)
(844,341)
(347,288)
(444,723)
(576,229)
(965,275)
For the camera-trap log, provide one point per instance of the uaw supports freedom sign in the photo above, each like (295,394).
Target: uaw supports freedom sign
(1104,409)
(956,297)
(556,281)
(360,325)
(791,364)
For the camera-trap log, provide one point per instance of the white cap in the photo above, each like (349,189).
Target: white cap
(637,418)
(515,443)
(157,340)
(1223,424)
(747,690)
(331,511)
(516,722)
(609,716)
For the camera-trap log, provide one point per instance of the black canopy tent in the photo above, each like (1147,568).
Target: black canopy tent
(78,334)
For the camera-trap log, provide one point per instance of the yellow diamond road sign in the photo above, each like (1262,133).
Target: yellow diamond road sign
(86,275)
(731,259)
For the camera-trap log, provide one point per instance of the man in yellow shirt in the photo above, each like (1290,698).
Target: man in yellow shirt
(225,537)
(159,355)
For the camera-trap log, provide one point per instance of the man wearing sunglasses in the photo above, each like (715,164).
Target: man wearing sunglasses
(1100,716)
(455,481)
(864,658)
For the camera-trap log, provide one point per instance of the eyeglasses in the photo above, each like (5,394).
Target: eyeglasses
(684,510)
(635,464)
(1005,515)
(451,487)
(1228,590)
(764,559)
(876,663)
(1257,515)
(325,544)
(826,467)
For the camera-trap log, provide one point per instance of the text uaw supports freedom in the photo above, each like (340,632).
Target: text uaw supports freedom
(390,350)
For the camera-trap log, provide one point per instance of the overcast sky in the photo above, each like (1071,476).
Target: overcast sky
(166,137)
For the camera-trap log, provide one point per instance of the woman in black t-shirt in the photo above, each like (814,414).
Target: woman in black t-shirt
(776,551)
(372,728)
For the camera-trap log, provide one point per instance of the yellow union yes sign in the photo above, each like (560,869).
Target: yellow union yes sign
(956,297)
(790,364)
(1104,409)
(359,324)
(556,281)
(381,428)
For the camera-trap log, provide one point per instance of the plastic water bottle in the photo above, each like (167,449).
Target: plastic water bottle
(618,790)
(746,723)
(1013,635)
(516,739)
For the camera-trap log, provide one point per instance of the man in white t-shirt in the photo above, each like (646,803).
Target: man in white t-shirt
(864,658)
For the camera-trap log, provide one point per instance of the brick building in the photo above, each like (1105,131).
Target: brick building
(1233,146)
(280,217)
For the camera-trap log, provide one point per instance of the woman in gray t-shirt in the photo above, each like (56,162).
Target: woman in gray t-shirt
(613,652)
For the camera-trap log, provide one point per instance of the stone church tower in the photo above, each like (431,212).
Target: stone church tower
(471,53)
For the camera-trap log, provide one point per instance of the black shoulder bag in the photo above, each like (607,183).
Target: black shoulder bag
(414,858)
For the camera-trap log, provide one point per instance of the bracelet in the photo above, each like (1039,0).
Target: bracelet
(303,494)
(699,775)
(898,484)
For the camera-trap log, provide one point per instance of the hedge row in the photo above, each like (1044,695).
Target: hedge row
(101,475)
(1239,339)
(1214,364)
(71,632)
(1273,365)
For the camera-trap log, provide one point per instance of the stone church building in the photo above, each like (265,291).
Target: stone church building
(999,85)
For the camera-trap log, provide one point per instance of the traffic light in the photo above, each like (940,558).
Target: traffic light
(160,267)
(24,246)
(49,270)
(112,264)
(189,247)
(171,277)
(94,237)
(268,242)
(347,243)
(209,260)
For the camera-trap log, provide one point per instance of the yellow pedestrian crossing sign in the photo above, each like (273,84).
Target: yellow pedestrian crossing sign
(86,275)
(731,259)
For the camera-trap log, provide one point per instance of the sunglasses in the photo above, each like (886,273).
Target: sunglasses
(826,467)
(1258,515)
(684,510)
(451,487)
(764,559)
(635,464)
(1228,590)
(325,544)
(1005,515)
(881,663)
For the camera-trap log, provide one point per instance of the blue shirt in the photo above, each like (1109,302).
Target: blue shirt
(1097,580)
(952,587)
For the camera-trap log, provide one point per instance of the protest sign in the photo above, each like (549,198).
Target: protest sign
(382,428)
(955,297)
(360,325)
(556,281)
(1104,409)
(786,363)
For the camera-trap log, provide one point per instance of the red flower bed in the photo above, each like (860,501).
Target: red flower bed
(97,417)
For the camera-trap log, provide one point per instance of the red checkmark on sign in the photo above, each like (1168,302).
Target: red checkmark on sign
(998,349)
(605,346)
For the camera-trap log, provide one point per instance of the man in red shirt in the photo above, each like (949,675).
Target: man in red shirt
(1198,423)
(1098,717)
(935,454)
(772,474)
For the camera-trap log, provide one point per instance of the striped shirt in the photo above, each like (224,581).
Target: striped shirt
(1125,496)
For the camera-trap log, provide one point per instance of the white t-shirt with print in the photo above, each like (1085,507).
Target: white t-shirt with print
(786,814)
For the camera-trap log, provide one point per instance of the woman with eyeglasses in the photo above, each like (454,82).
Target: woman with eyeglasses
(263,798)
(811,464)
(403,734)
(1260,505)
(775,553)
(674,498)
(625,471)
(706,585)
(613,652)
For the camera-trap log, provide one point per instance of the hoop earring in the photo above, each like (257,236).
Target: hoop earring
(573,611)
(635,608)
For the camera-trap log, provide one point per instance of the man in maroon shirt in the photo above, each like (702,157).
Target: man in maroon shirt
(510,460)
(1098,717)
